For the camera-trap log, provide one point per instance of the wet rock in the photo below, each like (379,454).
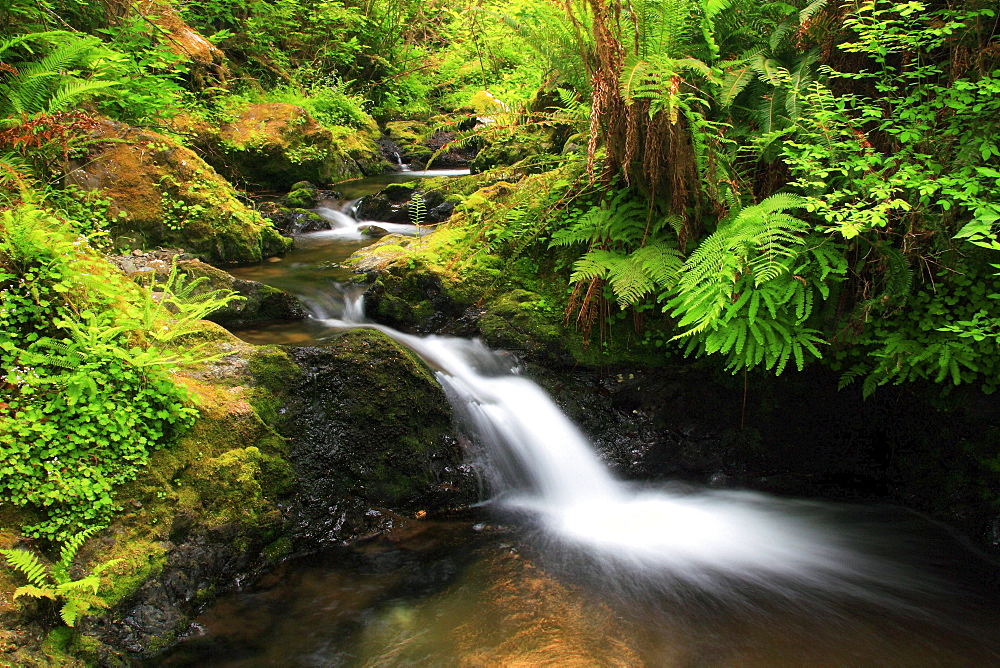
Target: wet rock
(453,156)
(372,231)
(392,205)
(293,221)
(370,428)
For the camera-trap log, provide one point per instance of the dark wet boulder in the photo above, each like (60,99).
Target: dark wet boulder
(371,428)
(292,221)
(392,205)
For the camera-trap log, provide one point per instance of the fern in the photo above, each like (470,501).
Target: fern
(418,209)
(55,583)
(52,82)
(748,290)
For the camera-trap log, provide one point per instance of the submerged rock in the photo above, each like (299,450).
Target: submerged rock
(372,231)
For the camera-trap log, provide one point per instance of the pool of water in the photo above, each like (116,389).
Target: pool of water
(472,592)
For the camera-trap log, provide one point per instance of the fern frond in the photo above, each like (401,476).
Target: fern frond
(70,548)
(72,91)
(78,606)
(28,565)
(810,10)
(35,592)
(595,263)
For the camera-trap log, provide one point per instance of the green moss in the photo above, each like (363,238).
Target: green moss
(164,194)
(273,372)
(303,198)
(65,647)
(278,550)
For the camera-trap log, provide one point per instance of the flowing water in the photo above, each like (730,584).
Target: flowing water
(568,566)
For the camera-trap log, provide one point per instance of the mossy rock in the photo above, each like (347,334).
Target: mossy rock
(276,145)
(370,427)
(163,194)
(302,195)
(449,281)
(511,149)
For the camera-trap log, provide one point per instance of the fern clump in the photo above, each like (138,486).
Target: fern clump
(748,290)
(87,361)
(54,582)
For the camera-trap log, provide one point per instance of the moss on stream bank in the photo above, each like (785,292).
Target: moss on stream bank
(466,278)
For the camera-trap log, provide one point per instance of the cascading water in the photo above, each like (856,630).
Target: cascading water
(586,569)
(345,227)
(542,465)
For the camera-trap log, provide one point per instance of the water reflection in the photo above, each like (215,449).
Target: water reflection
(465,594)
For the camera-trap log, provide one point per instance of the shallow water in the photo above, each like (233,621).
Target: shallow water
(467,593)
(312,271)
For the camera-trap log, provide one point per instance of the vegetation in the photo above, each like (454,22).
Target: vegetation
(767,185)
(55,582)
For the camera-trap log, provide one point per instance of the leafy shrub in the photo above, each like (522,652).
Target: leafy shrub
(87,390)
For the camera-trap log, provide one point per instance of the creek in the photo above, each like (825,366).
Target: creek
(566,565)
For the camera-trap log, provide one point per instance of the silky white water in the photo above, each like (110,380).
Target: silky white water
(347,228)
(541,464)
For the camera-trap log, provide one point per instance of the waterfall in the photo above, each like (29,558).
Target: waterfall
(346,227)
(543,466)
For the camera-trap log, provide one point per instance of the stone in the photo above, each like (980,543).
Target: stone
(163,194)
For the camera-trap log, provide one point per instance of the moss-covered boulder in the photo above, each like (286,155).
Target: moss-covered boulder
(370,427)
(301,195)
(163,194)
(392,204)
(275,145)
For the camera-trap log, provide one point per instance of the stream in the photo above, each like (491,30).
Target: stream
(566,565)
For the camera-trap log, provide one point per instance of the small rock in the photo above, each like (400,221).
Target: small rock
(274,259)
(373,231)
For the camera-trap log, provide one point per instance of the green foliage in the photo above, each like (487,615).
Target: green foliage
(626,247)
(87,357)
(78,597)
(418,209)
(54,71)
(749,289)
